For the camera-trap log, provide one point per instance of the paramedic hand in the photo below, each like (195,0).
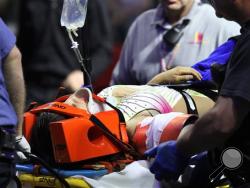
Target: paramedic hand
(22,146)
(169,163)
(176,75)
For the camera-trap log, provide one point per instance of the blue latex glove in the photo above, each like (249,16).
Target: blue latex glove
(220,55)
(169,163)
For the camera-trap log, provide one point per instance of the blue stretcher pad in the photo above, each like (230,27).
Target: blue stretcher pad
(29,168)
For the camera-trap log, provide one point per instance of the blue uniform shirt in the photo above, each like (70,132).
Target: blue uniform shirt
(7,42)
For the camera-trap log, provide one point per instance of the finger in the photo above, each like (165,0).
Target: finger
(196,74)
(182,78)
(151,152)
(189,70)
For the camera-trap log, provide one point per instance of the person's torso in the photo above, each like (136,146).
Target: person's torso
(201,36)
(7,42)
(236,84)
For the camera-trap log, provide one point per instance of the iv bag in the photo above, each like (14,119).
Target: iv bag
(74,14)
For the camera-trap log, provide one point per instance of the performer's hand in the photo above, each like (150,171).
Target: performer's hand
(22,146)
(169,163)
(176,75)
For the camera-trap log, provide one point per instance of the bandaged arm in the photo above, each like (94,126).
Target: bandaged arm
(213,129)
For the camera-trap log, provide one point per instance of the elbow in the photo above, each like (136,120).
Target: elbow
(14,55)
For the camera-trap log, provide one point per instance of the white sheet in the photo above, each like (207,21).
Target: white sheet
(135,175)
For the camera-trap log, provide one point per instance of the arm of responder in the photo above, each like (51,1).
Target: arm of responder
(231,108)
(214,128)
(12,68)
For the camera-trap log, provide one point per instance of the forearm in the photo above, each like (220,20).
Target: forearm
(158,79)
(206,134)
(15,84)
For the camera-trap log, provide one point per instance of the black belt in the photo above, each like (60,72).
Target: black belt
(205,90)
(7,144)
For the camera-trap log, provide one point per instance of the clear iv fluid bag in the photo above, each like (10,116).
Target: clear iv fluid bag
(74,14)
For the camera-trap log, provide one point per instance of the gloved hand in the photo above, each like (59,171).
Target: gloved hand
(22,146)
(169,163)
(198,157)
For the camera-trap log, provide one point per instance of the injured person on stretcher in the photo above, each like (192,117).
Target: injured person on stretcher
(153,114)
(148,110)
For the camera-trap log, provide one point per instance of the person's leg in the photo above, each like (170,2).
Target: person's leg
(7,172)
(7,148)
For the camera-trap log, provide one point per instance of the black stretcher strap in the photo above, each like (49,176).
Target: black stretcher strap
(207,92)
(121,117)
(190,103)
(205,88)
(123,146)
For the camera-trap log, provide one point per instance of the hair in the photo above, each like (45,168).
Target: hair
(41,144)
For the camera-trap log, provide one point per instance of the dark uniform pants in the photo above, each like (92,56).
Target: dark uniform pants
(7,149)
(7,172)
